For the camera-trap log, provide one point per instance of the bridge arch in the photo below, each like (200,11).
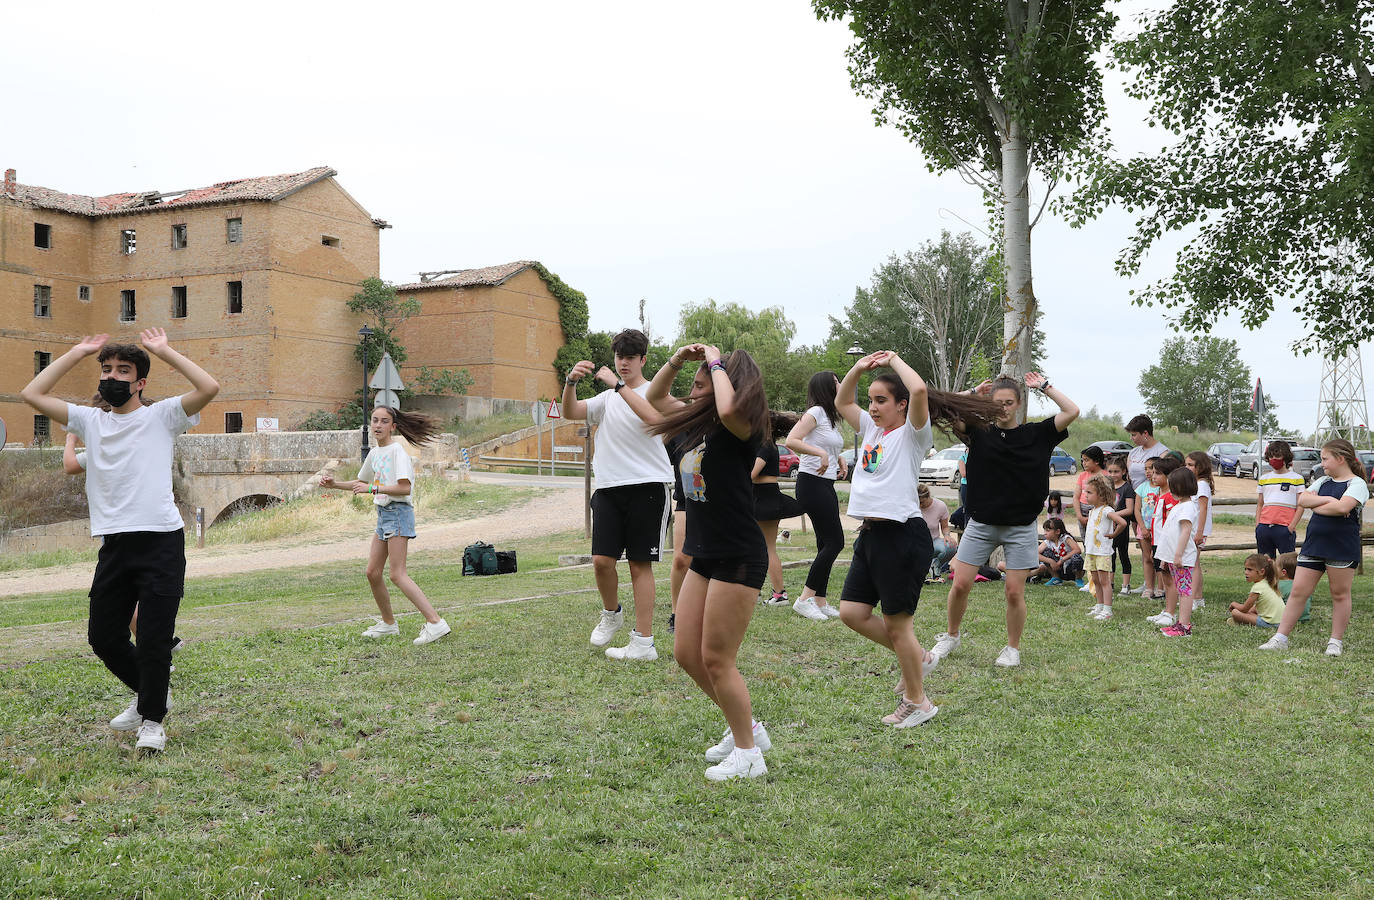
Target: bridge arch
(246,503)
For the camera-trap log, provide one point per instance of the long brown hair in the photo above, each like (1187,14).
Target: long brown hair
(695,420)
(1343,448)
(1203,463)
(417,428)
(1265,565)
(948,411)
(782,423)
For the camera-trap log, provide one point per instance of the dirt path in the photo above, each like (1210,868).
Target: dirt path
(543,515)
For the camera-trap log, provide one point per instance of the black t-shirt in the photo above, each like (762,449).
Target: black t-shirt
(1008,471)
(675,448)
(768,452)
(716,478)
(1124,493)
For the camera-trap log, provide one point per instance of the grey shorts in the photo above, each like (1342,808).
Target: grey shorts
(1018,542)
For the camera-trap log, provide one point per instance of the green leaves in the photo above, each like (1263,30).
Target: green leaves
(1188,387)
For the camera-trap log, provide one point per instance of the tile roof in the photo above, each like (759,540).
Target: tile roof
(489,275)
(269,187)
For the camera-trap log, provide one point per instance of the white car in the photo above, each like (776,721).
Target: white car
(943,467)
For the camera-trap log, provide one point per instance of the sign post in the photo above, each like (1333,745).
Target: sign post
(386,381)
(538,414)
(585,432)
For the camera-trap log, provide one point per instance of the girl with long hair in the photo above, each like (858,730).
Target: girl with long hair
(1263,606)
(1331,544)
(771,505)
(388,476)
(1092,460)
(817,440)
(1201,467)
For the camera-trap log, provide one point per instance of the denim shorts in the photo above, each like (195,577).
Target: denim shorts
(1259,619)
(395,520)
(1020,543)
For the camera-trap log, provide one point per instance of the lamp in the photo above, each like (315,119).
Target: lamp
(364,333)
(855,351)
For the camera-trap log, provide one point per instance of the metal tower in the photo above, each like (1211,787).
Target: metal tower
(1341,409)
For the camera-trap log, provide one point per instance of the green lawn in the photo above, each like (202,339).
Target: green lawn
(512,760)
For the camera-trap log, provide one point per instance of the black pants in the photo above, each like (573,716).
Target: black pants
(146,569)
(818,500)
(1121,545)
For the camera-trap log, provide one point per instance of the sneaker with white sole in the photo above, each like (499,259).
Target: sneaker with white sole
(177,644)
(777,598)
(739,764)
(1009,658)
(945,644)
(1335,647)
(639,647)
(1096,608)
(151,737)
(1163,619)
(1277,642)
(1124,592)
(1085,586)
(829,611)
(1138,589)
(1103,614)
(382,629)
(909,715)
(130,720)
(807,609)
(431,632)
(727,743)
(610,623)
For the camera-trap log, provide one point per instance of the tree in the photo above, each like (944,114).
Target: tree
(384,312)
(766,335)
(1189,386)
(1273,169)
(993,91)
(939,307)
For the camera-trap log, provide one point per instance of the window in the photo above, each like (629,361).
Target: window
(42,430)
(126,306)
(128,241)
(41,360)
(42,301)
(42,236)
(329,240)
(233,423)
(83,293)
(233,230)
(179,302)
(235,296)
(178,237)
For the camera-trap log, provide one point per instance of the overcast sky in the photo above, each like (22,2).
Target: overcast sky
(662,151)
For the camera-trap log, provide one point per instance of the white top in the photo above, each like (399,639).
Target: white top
(625,452)
(1097,540)
(129,465)
(1135,462)
(828,438)
(1205,490)
(888,471)
(386,467)
(1168,536)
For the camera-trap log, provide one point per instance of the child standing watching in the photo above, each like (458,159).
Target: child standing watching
(1276,505)
(142,561)
(1332,543)
(1263,607)
(1097,547)
(1177,551)
(1162,467)
(1060,556)
(1125,505)
(1146,495)
(1201,466)
(388,476)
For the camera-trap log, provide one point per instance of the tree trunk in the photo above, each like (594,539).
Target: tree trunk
(1018,298)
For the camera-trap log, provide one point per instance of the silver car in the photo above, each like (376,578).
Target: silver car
(1250,465)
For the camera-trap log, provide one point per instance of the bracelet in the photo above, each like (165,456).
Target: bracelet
(675,365)
(571,381)
(373,489)
(716,365)
(1044,387)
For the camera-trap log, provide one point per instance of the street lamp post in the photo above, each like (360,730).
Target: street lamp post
(365,333)
(855,351)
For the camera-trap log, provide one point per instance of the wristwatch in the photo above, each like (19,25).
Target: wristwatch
(618,385)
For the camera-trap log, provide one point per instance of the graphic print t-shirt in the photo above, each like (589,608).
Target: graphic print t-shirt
(888,470)
(387,467)
(1099,527)
(717,484)
(1280,493)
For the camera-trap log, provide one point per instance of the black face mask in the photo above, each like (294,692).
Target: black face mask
(115,392)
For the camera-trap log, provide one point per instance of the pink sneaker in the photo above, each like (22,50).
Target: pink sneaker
(1176,630)
(978,578)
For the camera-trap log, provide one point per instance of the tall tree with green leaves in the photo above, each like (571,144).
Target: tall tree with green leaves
(383,311)
(766,334)
(1270,166)
(993,91)
(1188,388)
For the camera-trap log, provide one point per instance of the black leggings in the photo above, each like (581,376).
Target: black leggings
(817,497)
(1122,545)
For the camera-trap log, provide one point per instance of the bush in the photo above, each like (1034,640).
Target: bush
(35,491)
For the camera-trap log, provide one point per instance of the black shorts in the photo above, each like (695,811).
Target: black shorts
(630,519)
(772,505)
(749,571)
(890,563)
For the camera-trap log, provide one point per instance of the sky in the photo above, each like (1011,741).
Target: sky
(670,152)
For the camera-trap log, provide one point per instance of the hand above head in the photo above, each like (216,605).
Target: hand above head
(581,370)
(154,341)
(1035,381)
(607,376)
(709,353)
(691,351)
(91,344)
(984,387)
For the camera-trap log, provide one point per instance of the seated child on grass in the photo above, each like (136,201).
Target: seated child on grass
(1061,558)
(1263,607)
(1288,567)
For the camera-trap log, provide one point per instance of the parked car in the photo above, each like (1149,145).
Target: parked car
(787,462)
(1249,464)
(1366,457)
(1225,457)
(1112,448)
(943,467)
(1061,463)
(848,457)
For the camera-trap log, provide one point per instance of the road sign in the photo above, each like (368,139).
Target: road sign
(538,413)
(553,410)
(467,460)
(387,377)
(387,398)
(267,423)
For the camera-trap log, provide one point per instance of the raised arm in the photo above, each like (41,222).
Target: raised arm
(918,408)
(847,397)
(724,389)
(1068,410)
(203,387)
(38,392)
(574,408)
(660,388)
(641,407)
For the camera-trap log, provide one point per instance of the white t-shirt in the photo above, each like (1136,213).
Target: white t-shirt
(1205,490)
(828,438)
(625,452)
(386,467)
(129,465)
(888,471)
(1098,536)
(1135,462)
(1170,534)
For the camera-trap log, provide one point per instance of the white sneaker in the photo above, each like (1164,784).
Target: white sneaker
(1103,614)
(1097,608)
(639,647)
(1334,647)
(1277,642)
(807,609)
(1198,603)
(151,737)
(913,715)
(1163,619)
(382,629)
(1009,658)
(431,632)
(829,611)
(1138,589)
(610,623)
(1125,592)
(945,644)
(739,764)
(727,743)
(1087,588)
(129,720)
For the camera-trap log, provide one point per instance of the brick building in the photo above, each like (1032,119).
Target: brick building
(249,278)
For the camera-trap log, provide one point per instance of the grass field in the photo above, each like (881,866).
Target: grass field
(511,759)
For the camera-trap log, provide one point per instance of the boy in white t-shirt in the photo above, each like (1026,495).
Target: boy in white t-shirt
(632,499)
(129,488)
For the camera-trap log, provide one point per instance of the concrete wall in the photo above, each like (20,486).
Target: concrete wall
(73,534)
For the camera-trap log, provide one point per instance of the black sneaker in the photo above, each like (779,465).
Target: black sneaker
(177,643)
(672,622)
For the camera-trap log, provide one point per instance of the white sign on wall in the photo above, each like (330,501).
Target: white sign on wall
(267,424)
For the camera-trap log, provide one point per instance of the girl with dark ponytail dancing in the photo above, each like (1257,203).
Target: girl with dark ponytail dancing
(817,440)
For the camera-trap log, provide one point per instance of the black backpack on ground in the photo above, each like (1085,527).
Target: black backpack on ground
(480,559)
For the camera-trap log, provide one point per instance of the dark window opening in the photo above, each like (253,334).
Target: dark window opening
(42,236)
(41,360)
(233,423)
(127,312)
(329,241)
(178,237)
(42,430)
(83,293)
(235,296)
(42,301)
(179,302)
